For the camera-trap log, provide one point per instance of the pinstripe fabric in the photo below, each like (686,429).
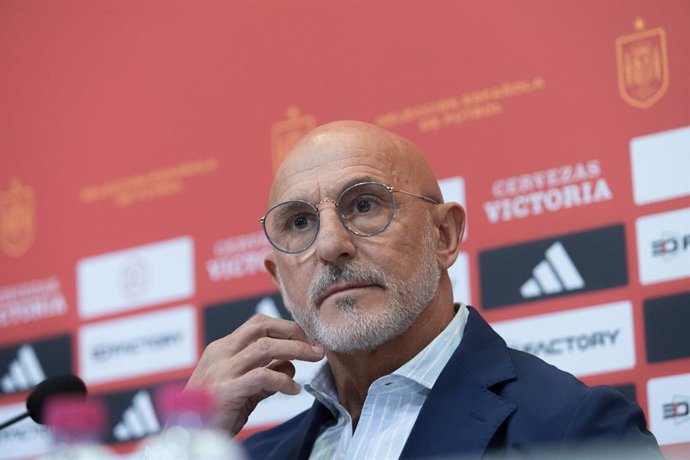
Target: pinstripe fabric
(392,404)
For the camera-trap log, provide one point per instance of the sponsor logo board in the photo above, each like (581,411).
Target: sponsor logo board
(565,265)
(31,301)
(25,439)
(666,324)
(661,165)
(663,246)
(669,408)
(547,191)
(585,341)
(138,345)
(222,319)
(136,277)
(26,365)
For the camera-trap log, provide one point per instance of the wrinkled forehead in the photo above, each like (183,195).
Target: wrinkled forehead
(324,167)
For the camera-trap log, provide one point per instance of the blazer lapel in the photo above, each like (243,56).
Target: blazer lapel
(461,414)
(299,444)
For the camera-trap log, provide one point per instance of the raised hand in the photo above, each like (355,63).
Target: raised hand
(251,364)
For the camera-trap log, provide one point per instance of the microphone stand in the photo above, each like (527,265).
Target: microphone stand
(13,420)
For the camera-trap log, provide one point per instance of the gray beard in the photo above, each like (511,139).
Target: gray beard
(364,330)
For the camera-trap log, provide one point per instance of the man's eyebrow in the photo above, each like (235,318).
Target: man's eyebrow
(358,180)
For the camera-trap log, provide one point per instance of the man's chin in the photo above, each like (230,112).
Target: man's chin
(350,346)
(350,336)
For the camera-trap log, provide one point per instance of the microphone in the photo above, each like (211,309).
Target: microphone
(59,385)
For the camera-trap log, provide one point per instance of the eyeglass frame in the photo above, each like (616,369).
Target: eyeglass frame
(390,189)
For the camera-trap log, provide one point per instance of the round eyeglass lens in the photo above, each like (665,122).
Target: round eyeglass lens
(292,226)
(366,209)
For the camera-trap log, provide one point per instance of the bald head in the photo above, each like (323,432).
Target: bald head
(345,145)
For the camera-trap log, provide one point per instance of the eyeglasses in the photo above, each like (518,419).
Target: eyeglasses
(365,209)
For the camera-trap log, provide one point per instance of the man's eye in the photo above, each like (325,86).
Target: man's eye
(298,222)
(363,205)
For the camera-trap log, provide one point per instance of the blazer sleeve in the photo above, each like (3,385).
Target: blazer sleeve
(611,424)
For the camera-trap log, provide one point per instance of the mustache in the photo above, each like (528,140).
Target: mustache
(344,273)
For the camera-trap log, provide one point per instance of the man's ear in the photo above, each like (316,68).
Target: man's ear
(449,220)
(270,264)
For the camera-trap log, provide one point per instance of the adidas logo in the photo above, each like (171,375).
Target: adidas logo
(557,273)
(139,420)
(23,373)
(542,269)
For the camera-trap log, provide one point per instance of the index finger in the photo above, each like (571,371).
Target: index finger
(265,326)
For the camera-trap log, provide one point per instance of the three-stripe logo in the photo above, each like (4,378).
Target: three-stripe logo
(138,420)
(556,273)
(562,265)
(24,372)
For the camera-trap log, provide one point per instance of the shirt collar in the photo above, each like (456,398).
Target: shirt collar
(423,369)
(426,366)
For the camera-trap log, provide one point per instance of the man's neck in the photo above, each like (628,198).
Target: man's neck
(354,373)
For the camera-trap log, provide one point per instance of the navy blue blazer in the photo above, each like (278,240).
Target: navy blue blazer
(492,400)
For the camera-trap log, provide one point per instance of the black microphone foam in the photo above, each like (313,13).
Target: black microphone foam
(59,385)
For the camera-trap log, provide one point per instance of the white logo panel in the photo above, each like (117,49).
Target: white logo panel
(138,345)
(453,189)
(137,277)
(669,408)
(663,246)
(585,341)
(661,165)
(25,439)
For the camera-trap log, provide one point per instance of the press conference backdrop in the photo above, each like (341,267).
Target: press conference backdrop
(139,140)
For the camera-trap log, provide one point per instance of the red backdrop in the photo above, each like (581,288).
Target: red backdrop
(125,124)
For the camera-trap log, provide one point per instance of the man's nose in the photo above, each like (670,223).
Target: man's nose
(334,242)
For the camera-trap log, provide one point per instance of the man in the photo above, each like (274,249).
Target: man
(363,242)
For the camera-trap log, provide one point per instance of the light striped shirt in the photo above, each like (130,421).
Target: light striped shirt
(392,404)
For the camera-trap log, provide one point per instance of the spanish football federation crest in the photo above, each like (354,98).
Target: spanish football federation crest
(286,133)
(17,219)
(642,66)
